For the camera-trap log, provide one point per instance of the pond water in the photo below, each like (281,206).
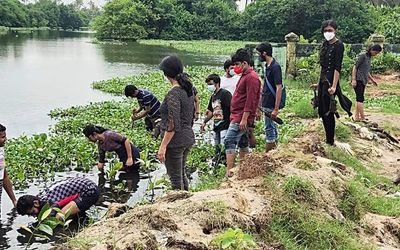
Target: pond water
(44,70)
(127,188)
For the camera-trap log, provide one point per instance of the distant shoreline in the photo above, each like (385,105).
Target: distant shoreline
(4,29)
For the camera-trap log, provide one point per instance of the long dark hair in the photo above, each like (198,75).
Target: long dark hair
(374,47)
(173,68)
(90,129)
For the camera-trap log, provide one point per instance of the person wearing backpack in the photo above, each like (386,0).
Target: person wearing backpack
(273,94)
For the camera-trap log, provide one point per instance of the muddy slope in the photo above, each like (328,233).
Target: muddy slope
(182,220)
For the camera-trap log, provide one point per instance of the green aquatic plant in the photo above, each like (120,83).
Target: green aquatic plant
(210,47)
(46,223)
(113,169)
(65,147)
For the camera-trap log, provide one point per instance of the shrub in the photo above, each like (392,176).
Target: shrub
(385,62)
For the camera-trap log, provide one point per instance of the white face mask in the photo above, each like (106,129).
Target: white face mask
(329,35)
(231,72)
(211,88)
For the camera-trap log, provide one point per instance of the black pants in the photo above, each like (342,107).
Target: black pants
(329,126)
(87,199)
(175,162)
(360,90)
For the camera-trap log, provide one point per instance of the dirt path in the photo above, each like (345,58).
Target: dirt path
(183,220)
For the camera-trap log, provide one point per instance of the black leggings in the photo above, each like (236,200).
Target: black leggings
(360,90)
(329,126)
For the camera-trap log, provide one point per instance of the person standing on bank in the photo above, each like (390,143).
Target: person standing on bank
(360,76)
(5,181)
(243,109)
(272,98)
(177,112)
(229,80)
(218,109)
(110,141)
(331,57)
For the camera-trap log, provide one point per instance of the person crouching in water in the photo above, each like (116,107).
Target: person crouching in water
(360,76)
(110,141)
(73,195)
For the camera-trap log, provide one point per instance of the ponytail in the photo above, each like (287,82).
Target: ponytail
(172,67)
(91,129)
(185,83)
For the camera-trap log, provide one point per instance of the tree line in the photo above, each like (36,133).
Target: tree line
(261,20)
(47,13)
(211,19)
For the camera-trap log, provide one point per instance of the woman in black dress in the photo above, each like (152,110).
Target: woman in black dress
(177,113)
(331,57)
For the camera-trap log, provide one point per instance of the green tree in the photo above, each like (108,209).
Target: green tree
(12,13)
(212,19)
(36,17)
(90,13)
(388,23)
(272,20)
(124,20)
(50,10)
(353,17)
(70,18)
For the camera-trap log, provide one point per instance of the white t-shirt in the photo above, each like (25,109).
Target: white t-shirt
(229,83)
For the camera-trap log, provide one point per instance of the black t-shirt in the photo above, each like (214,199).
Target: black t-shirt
(273,73)
(219,105)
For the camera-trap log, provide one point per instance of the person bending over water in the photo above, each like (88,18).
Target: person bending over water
(74,195)
(110,141)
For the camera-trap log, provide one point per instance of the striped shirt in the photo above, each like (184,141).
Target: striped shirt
(147,99)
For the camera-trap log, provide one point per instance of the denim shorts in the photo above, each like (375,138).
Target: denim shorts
(271,129)
(236,137)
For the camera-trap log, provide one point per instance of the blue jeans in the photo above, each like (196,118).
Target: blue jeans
(236,137)
(271,130)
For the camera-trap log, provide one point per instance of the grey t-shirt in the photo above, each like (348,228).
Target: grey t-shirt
(363,66)
(177,112)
